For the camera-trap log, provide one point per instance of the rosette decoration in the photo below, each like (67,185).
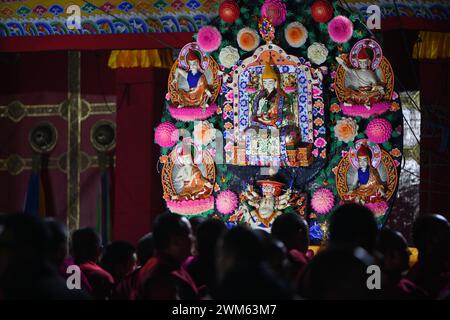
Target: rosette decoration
(275,11)
(317,53)
(340,29)
(229,11)
(209,38)
(322,201)
(248,39)
(295,34)
(379,130)
(321,11)
(226,202)
(346,129)
(229,56)
(166,134)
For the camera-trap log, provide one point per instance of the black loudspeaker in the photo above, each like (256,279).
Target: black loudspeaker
(103,136)
(43,137)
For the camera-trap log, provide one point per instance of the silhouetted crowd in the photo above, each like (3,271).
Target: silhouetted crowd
(204,259)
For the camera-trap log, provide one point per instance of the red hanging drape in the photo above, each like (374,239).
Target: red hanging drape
(138,192)
(435,133)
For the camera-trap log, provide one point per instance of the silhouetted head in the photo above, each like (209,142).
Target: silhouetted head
(292,230)
(239,247)
(338,274)
(208,235)
(118,259)
(25,271)
(172,235)
(24,242)
(394,249)
(242,268)
(145,249)
(58,246)
(85,245)
(353,225)
(195,224)
(275,252)
(431,236)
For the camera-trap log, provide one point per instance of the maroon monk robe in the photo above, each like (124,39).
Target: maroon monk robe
(162,278)
(100,280)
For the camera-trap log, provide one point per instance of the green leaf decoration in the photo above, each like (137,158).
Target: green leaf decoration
(387,145)
(395,134)
(360,136)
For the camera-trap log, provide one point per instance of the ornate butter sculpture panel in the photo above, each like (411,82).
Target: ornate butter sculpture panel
(307,118)
(275,99)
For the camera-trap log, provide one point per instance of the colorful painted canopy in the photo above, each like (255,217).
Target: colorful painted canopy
(48,17)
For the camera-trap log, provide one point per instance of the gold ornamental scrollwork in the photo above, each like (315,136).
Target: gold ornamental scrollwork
(16,111)
(15,164)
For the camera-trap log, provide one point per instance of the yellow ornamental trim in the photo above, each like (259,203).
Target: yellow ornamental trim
(156,58)
(432,45)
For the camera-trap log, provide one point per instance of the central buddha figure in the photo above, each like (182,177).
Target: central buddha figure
(270,101)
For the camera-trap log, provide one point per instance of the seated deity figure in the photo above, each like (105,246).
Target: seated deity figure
(368,188)
(268,206)
(369,89)
(271,101)
(198,93)
(190,180)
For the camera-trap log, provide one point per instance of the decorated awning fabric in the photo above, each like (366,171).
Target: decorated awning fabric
(49,17)
(432,45)
(161,58)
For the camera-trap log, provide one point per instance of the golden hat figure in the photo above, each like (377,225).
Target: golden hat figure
(269,73)
(270,100)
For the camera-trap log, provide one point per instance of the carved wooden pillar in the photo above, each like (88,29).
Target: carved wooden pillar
(73,143)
